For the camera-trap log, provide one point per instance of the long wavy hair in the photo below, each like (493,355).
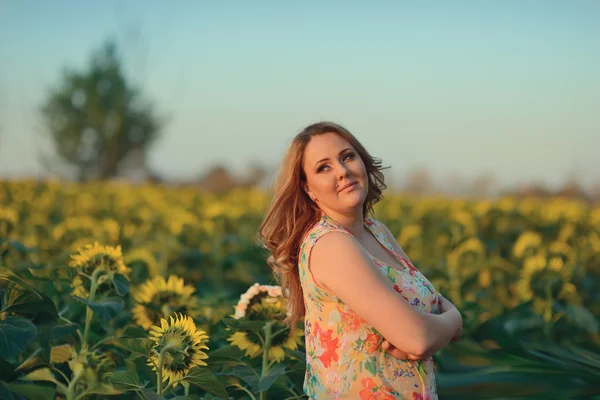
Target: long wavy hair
(292,212)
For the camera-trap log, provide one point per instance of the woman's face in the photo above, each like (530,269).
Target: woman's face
(335,174)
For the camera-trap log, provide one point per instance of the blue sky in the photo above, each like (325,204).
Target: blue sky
(460,87)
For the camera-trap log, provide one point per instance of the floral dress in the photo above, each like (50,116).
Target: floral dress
(343,352)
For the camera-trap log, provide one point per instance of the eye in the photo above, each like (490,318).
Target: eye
(348,156)
(322,168)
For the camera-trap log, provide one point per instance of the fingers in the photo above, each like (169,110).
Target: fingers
(397,353)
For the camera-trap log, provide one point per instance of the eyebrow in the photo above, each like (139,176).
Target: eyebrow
(326,158)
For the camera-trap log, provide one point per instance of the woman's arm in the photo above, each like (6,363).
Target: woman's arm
(338,262)
(446,305)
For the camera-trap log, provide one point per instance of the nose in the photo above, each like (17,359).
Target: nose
(342,171)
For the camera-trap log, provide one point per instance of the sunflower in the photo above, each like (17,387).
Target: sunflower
(157,298)
(8,220)
(462,225)
(265,303)
(184,344)
(92,257)
(544,280)
(75,228)
(145,257)
(411,238)
(471,252)
(595,217)
(559,254)
(253,349)
(527,244)
(79,287)
(594,242)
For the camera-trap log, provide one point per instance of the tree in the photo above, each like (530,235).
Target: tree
(96,119)
(418,181)
(483,185)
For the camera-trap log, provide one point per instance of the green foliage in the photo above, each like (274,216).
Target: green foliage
(95,118)
(527,334)
(16,334)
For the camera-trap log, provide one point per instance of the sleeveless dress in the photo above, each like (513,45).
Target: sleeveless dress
(343,352)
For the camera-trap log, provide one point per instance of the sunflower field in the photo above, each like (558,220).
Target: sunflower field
(114,290)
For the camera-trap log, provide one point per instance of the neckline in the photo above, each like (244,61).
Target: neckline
(387,246)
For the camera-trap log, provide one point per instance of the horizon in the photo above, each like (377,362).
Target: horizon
(506,88)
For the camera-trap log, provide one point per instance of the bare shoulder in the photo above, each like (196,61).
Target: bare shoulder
(393,240)
(337,253)
(335,244)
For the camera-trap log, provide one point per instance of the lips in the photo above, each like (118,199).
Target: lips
(346,186)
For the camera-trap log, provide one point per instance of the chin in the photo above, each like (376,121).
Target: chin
(355,200)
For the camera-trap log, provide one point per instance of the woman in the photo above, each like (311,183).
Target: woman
(372,320)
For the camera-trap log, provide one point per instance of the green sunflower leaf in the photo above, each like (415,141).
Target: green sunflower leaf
(17,246)
(32,305)
(5,393)
(121,284)
(7,275)
(103,388)
(271,376)
(299,367)
(50,333)
(16,334)
(32,391)
(151,395)
(225,354)
(248,375)
(138,347)
(245,325)
(583,318)
(105,309)
(295,354)
(126,381)
(206,380)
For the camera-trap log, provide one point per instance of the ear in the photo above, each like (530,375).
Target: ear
(306,189)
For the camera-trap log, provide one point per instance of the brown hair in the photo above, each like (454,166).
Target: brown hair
(292,212)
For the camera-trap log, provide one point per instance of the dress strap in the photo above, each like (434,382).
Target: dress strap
(375,227)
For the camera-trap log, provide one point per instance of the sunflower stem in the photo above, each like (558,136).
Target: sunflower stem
(159,370)
(62,374)
(246,390)
(548,312)
(72,386)
(100,342)
(279,332)
(265,359)
(271,364)
(88,311)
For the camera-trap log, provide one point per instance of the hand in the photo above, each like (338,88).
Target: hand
(399,354)
(458,335)
(445,306)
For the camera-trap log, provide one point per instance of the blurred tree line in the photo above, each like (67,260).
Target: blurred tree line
(100,127)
